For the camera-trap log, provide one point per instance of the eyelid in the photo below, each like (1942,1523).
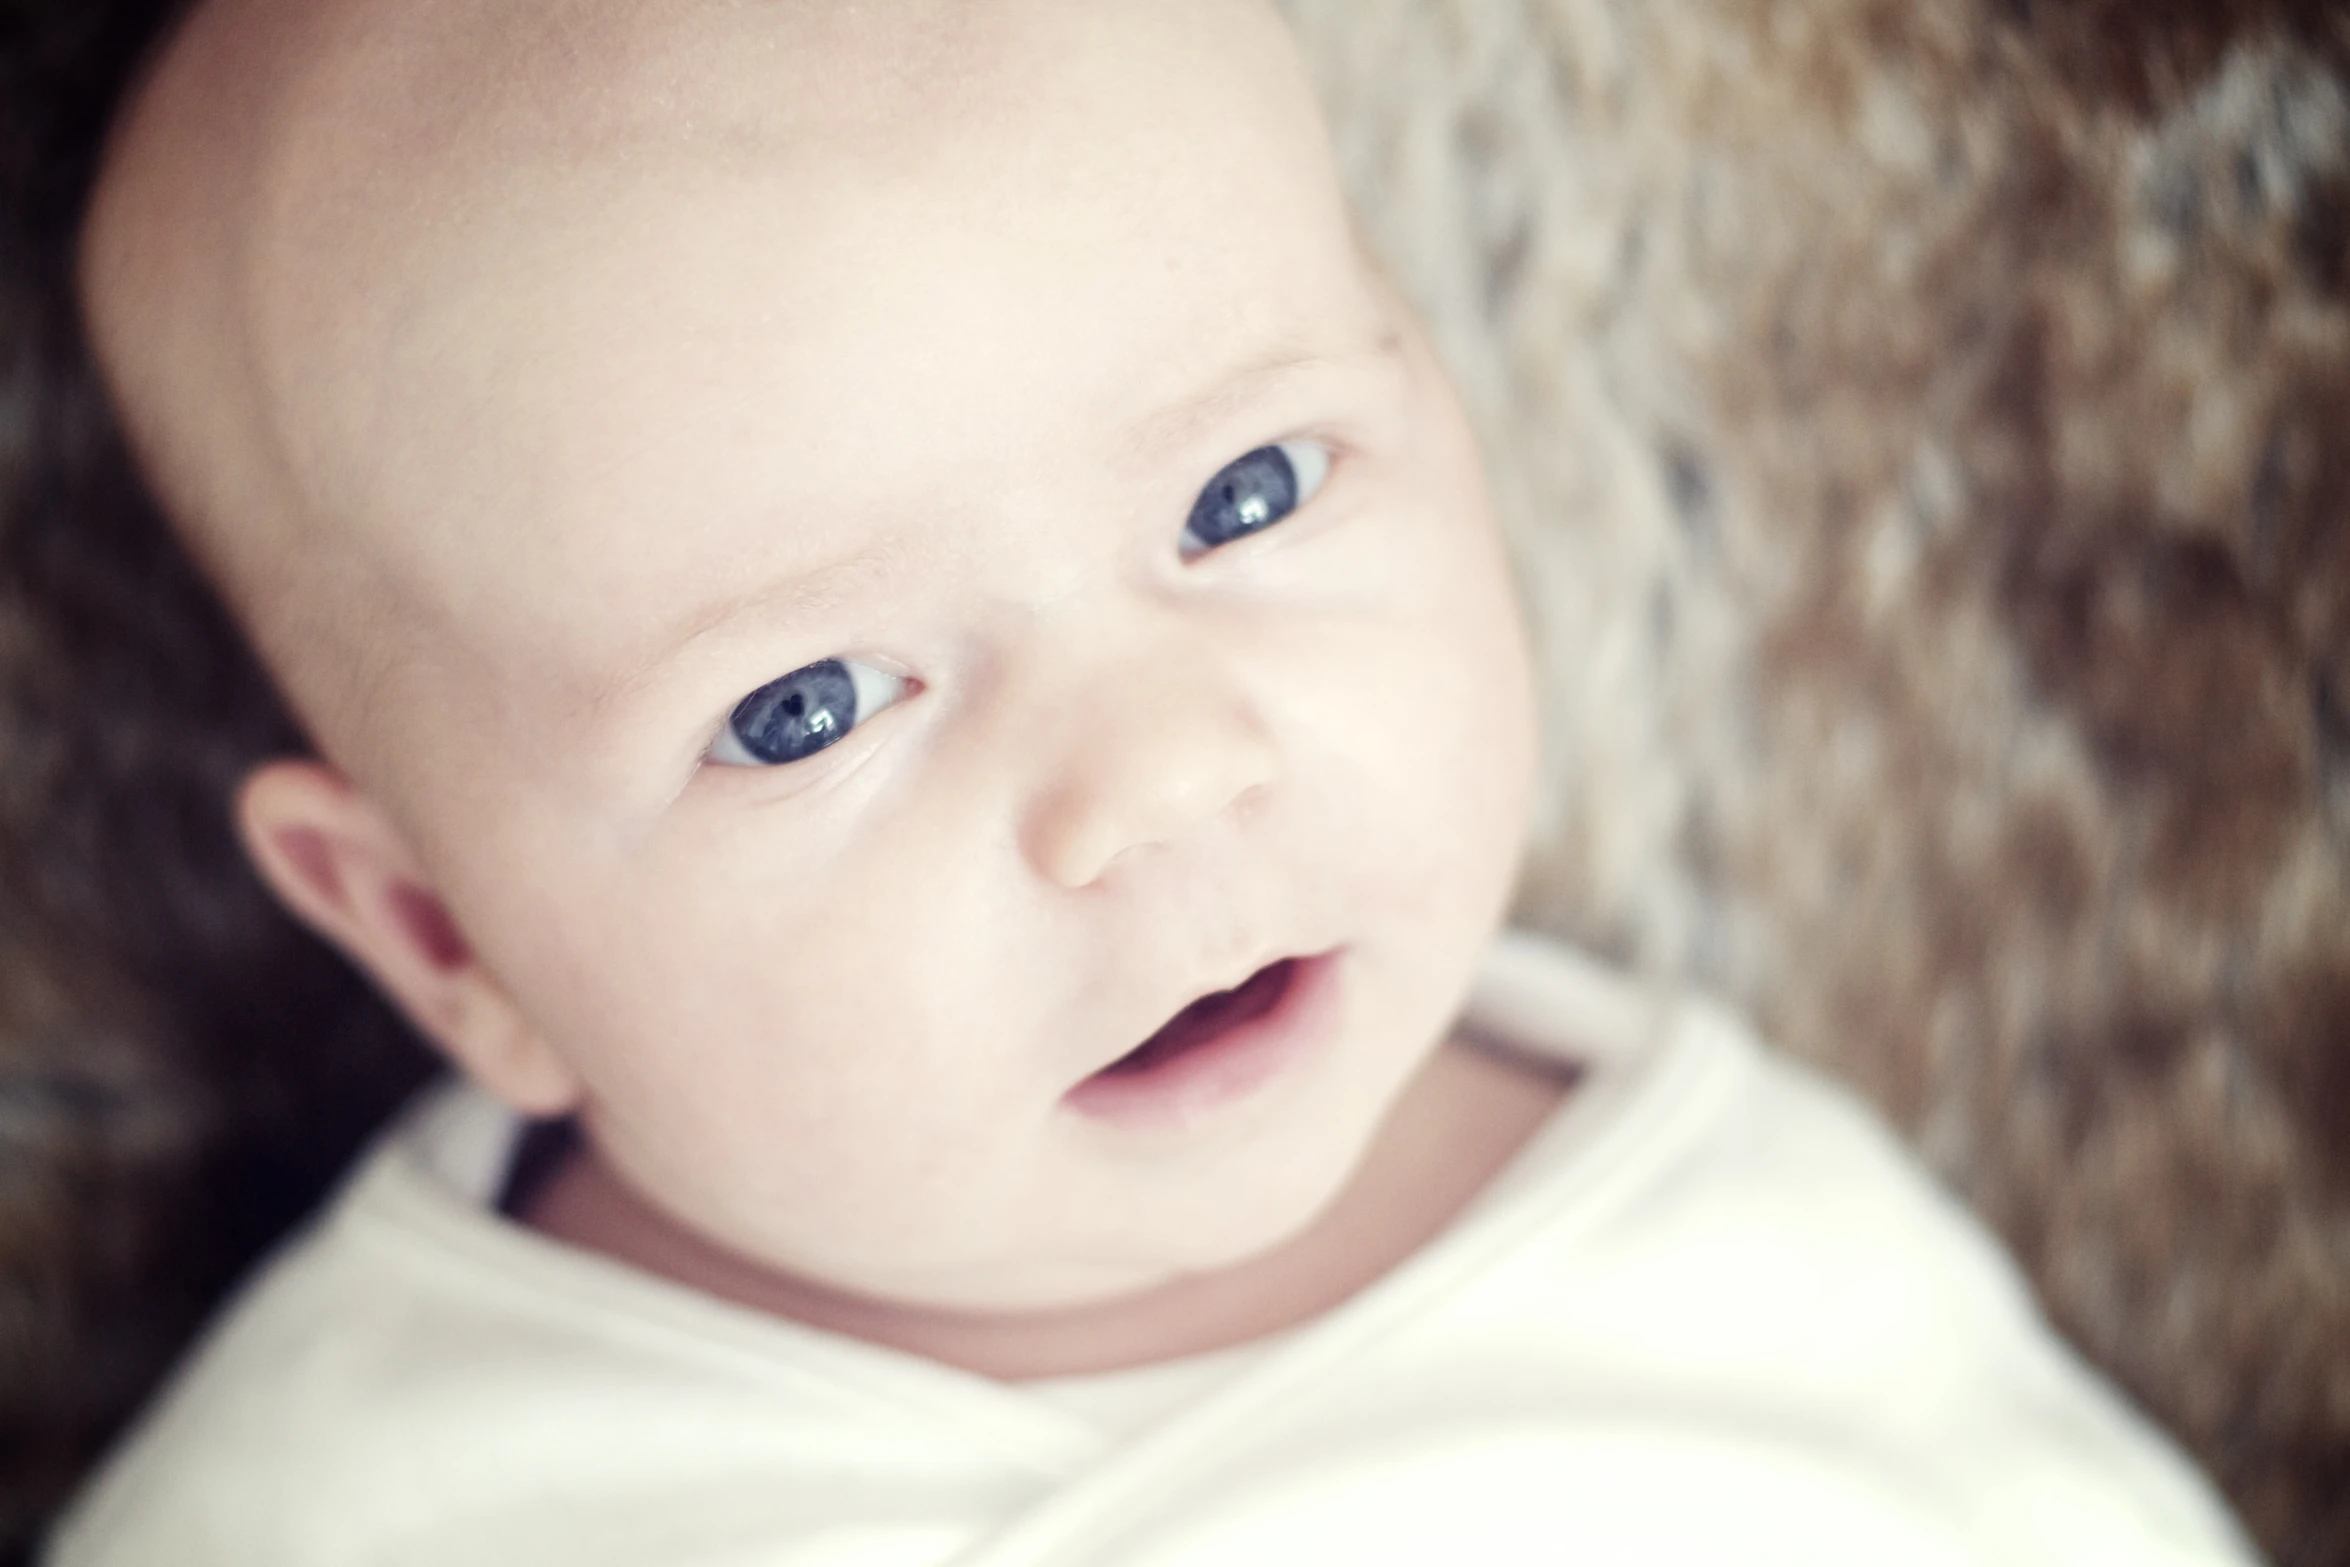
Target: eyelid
(876,689)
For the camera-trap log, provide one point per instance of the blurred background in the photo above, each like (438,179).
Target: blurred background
(1924,426)
(1926,432)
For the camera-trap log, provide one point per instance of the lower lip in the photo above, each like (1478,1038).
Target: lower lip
(1226,1067)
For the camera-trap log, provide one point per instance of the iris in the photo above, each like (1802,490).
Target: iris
(1253,492)
(796,715)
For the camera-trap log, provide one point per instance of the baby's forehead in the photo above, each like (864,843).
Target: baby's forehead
(310,173)
(434,247)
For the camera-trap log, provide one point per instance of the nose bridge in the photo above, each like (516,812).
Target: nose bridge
(1151,736)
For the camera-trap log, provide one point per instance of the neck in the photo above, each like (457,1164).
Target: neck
(1457,1124)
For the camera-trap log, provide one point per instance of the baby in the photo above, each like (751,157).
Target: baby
(914,682)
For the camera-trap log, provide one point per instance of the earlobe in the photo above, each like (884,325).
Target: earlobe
(342,867)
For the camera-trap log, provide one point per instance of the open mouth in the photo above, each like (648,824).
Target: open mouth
(1220,1049)
(1208,1019)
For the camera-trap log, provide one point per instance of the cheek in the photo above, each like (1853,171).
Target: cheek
(1450,675)
(740,1010)
(1499,705)
(1414,759)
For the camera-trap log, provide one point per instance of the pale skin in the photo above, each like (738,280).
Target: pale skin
(540,378)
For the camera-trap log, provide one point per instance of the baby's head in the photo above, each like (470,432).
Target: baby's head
(847,562)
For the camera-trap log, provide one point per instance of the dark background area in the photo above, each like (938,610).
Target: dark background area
(182,1072)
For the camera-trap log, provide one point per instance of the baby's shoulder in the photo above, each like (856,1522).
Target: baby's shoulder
(1733,1242)
(289,1423)
(413,1365)
(1687,1129)
(1702,1185)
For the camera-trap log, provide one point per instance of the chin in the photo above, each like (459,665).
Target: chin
(1263,1209)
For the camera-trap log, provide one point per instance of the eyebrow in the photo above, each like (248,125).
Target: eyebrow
(797,594)
(1174,426)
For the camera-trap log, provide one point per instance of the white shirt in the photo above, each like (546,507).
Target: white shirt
(1710,1314)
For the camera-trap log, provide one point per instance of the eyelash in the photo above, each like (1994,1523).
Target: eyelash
(774,727)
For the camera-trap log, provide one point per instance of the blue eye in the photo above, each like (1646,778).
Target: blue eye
(1253,492)
(799,714)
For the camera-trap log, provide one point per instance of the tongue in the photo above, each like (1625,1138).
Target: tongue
(1207,1018)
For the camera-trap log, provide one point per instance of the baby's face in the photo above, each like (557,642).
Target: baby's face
(897,582)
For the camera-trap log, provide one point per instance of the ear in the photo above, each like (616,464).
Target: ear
(338,863)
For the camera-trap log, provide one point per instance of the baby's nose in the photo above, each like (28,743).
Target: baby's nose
(1145,757)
